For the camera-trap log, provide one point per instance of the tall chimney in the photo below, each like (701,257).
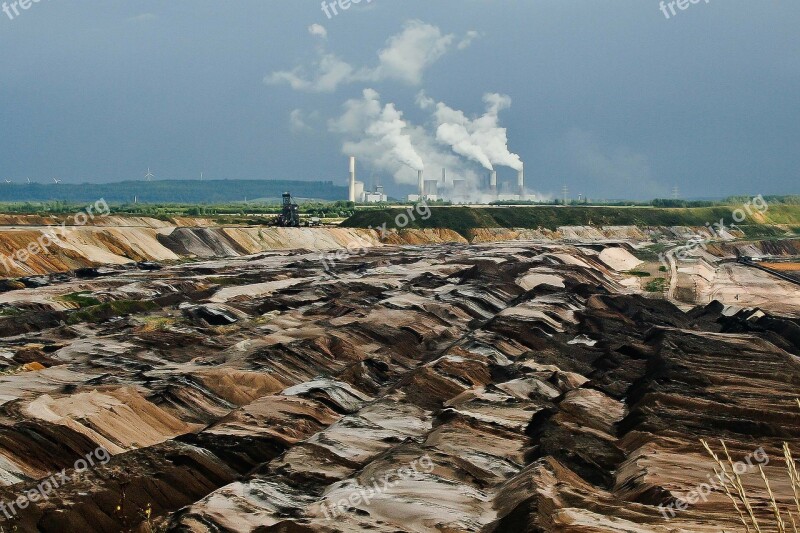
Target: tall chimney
(444,176)
(352,196)
(521,182)
(493,181)
(421,184)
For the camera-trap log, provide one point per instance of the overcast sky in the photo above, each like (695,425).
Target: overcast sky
(608,97)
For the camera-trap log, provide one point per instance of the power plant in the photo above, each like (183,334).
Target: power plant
(458,190)
(358,194)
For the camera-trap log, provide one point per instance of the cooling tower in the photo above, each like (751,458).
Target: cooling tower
(352,184)
(431,188)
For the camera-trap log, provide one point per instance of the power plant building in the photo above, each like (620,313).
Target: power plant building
(431,190)
(461,191)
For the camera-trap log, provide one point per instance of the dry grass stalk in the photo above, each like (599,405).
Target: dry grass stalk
(724,478)
(740,489)
(775,508)
(794,478)
(742,500)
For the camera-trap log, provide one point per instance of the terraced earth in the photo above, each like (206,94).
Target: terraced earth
(499,387)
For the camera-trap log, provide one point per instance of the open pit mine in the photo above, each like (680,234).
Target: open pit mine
(186,377)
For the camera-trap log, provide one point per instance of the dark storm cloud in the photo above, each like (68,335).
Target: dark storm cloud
(609,97)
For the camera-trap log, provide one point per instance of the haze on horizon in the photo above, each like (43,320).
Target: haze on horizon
(611,99)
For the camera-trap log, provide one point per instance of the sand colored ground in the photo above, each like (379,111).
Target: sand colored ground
(740,286)
(116,419)
(619,259)
(119,240)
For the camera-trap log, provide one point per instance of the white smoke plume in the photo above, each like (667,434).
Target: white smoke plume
(480,139)
(384,140)
(379,135)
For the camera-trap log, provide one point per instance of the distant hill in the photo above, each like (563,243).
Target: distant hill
(171,191)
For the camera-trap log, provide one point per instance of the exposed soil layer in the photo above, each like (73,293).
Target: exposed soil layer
(447,387)
(32,246)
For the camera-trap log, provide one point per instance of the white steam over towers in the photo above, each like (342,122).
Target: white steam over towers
(352,196)
(472,148)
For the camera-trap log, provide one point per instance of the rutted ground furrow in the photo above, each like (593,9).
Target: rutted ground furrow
(473,413)
(438,388)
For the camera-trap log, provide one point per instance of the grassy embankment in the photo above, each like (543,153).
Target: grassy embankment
(464,219)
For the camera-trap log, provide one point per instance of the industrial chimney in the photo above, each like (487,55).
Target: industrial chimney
(444,176)
(521,182)
(421,184)
(493,182)
(352,196)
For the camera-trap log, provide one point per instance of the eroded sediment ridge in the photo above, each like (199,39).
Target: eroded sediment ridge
(260,393)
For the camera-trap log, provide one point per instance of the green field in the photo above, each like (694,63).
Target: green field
(464,219)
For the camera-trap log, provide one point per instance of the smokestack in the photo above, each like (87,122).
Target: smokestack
(352,196)
(421,184)
(493,181)
(444,176)
(521,182)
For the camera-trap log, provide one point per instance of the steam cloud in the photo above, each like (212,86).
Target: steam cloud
(381,136)
(481,139)
(378,134)
(405,58)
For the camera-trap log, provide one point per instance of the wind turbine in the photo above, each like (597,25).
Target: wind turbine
(149,175)
(56,181)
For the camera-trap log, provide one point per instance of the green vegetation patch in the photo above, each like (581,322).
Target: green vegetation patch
(463,219)
(639,273)
(82,299)
(656,285)
(106,311)
(10,311)
(227,280)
